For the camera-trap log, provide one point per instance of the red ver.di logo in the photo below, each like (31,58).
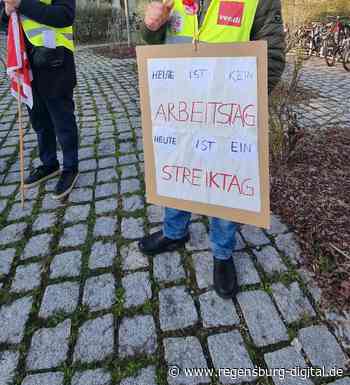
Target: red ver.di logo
(230,13)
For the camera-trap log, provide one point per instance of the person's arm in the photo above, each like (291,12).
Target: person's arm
(59,14)
(268,25)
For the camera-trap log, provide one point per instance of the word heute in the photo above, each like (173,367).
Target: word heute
(211,179)
(207,113)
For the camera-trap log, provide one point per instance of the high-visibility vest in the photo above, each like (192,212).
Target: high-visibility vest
(35,32)
(224,22)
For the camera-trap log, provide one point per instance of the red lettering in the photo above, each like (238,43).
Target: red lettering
(247,190)
(212,179)
(193,112)
(234,182)
(166,172)
(183,110)
(196,176)
(251,122)
(186,174)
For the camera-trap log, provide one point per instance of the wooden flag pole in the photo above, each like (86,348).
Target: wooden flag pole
(21,139)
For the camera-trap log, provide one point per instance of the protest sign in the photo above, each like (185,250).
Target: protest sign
(205,129)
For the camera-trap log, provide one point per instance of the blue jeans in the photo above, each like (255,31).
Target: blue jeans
(222,232)
(51,118)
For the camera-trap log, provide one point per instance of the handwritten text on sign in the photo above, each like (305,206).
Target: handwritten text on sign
(204,129)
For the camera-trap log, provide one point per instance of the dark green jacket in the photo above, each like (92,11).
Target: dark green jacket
(268,25)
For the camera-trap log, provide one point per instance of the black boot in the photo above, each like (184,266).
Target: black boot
(158,243)
(225,280)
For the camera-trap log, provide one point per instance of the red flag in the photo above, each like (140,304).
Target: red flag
(18,67)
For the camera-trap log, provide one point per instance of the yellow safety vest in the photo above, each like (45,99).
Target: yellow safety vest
(35,32)
(224,22)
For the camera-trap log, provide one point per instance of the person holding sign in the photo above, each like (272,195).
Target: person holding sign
(219,21)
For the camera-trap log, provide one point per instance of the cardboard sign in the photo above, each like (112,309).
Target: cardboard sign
(205,129)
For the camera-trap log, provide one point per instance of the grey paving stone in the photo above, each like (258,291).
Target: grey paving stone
(49,347)
(312,286)
(62,297)
(6,191)
(106,190)
(107,162)
(106,175)
(106,206)
(87,165)
(291,302)
(176,308)
(6,258)
(132,228)
(76,213)
(132,258)
(155,214)
(3,204)
(137,289)
(236,356)
(254,236)
(203,264)
(126,147)
(8,365)
(27,277)
(129,185)
(185,353)
(52,378)
(240,244)
(125,159)
(277,227)
(99,292)
(17,212)
(92,377)
(314,339)
(167,267)
(12,233)
(216,311)
(199,237)
(73,236)
(245,269)
(264,324)
(79,195)
(288,245)
(128,171)
(105,227)
(44,221)
(286,358)
(38,246)
(143,376)
(86,179)
(132,203)
(66,265)
(50,204)
(137,335)
(270,260)
(13,318)
(102,255)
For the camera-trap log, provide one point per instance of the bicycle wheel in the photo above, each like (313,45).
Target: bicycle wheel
(330,55)
(346,61)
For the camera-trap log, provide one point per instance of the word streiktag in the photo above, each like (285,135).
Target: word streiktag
(230,13)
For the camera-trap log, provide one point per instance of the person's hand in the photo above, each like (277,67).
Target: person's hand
(11,6)
(9,9)
(157,14)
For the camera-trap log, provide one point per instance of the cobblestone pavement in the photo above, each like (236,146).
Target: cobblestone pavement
(330,105)
(81,305)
